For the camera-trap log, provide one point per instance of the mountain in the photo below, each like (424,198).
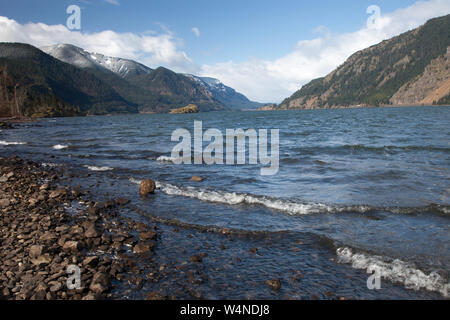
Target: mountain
(169,90)
(158,90)
(410,69)
(76,56)
(224,94)
(162,87)
(33,83)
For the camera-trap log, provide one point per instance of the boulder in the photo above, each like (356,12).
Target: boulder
(91,231)
(44,259)
(91,261)
(57,193)
(122,201)
(100,283)
(4,203)
(275,284)
(35,251)
(147,186)
(155,296)
(196,258)
(71,246)
(143,247)
(150,235)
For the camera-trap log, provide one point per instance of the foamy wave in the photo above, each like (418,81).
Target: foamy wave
(135,181)
(291,207)
(60,146)
(6,143)
(50,165)
(164,159)
(93,168)
(232,198)
(395,270)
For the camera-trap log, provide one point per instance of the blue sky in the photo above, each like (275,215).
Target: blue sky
(251,35)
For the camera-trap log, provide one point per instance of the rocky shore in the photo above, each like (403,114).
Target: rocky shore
(44,240)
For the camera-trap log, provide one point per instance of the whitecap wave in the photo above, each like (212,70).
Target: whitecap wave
(50,165)
(93,168)
(60,146)
(8,143)
(164,159)
(135,181)
(232,198)
(395,270)
(292,207)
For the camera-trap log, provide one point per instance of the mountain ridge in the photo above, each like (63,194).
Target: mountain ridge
(225,94)
(33,83)
(379,74)
(218,96)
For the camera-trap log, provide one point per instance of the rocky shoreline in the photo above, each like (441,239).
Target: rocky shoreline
(43,241)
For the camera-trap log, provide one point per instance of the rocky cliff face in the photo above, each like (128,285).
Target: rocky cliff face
(428,88)
(410,69)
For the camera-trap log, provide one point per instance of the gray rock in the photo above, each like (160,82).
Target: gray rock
(35,251)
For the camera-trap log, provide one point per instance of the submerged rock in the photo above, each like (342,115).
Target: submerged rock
(275,284)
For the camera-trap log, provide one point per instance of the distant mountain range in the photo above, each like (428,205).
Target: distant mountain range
(410,69)
(65,80)
(224,94)
(208,93)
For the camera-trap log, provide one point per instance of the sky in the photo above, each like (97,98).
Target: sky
(265,49)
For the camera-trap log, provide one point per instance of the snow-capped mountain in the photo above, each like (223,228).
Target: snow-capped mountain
(81,58)
(226,95)
(212,91)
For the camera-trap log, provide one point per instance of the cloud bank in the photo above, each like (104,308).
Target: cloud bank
(152,49)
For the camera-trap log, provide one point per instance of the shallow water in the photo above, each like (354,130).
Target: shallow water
(374,183)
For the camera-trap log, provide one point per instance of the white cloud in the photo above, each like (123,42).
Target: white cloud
(152,49)
(271,81)
(114,2)
(196,31)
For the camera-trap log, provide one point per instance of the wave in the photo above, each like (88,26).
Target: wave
(232,198)
(164,159)
(366,148)
(93,168)
(50,165)
(395,270)
(6,143)
(60,146)
(291,207)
